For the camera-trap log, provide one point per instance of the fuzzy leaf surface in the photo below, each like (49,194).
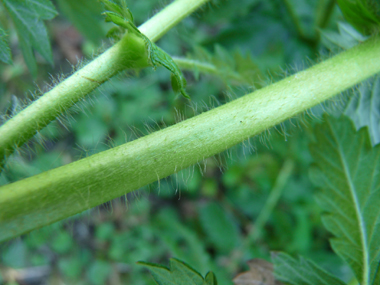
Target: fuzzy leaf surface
(28,18)
(348,173)
(301,271)
(5,52)
(179,274)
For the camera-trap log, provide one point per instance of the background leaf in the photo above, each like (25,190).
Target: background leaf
(179,274)
(44,8)
(348,174)
(184,244)
(364,107)
(5,52)
(28,17)
(219,227)
(363,14)
(231,67)
(301,271)
(346,37)
(85,15)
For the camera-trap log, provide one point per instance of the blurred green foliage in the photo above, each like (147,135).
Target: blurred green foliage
(362,14)
(28,19)
(203,214)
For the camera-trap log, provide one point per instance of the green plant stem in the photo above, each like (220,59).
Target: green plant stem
(127,53)
(65,191)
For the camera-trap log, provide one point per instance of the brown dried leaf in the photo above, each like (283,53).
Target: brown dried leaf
(260,273)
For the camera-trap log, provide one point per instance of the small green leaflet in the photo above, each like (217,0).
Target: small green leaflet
(301,271)
(5,52)
(28,17)
(179,274)
(348,174)
(120,15)
(346,37)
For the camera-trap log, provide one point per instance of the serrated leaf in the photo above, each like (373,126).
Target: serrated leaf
(122,17)
(346,37)
(179,274)
(5,52)
(175,234)
(231,67)
(364,107)
(248,69)
(28,17)
(347,171)
(301,271)
(27,52)
(183,243)
(219,227)
(85,15)
(44,8)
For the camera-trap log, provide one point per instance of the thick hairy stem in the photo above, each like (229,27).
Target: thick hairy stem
(128,53)
(73,188)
